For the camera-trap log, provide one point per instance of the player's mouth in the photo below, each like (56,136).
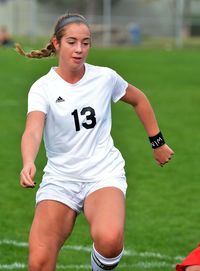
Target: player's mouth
(77,59)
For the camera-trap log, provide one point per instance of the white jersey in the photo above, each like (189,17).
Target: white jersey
(77,129)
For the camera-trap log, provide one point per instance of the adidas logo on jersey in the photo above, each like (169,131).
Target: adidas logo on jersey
(59,100)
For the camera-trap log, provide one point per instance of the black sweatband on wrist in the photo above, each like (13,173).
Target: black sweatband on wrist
(157,140)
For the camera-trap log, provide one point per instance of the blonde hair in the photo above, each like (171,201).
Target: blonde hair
(59,32)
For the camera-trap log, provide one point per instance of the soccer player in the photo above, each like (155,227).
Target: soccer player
(84,171)
(191,262)
(5,38)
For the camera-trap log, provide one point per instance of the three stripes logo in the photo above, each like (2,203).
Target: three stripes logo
(59,100)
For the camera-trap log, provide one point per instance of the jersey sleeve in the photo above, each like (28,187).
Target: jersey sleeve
(119,89)
(37,100)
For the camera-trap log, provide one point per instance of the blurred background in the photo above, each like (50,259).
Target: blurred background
(113,22)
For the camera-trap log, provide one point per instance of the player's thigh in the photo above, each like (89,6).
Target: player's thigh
(105,211)
(193,268)
(52,224)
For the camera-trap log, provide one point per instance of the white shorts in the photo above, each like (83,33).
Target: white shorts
(73,194)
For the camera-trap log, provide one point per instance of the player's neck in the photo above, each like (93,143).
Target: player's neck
(71,76)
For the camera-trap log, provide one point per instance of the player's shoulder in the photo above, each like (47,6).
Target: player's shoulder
(42,82)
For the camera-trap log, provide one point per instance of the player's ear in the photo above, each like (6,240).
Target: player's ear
(55,43)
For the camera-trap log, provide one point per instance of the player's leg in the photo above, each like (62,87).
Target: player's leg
(193,268)
(191,262)
(52,224)
(105,212)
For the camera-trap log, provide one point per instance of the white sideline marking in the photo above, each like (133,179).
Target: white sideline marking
(78,248)
(12,266)
(139,265)
(13,243)
(127,253)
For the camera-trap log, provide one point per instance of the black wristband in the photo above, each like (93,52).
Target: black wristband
(157,140)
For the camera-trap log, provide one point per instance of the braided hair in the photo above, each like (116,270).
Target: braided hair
(59,30)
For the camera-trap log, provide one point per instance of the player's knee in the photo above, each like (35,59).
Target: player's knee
(109,242)
(34,265)
(37,263)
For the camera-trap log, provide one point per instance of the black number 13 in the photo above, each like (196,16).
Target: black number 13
(90,118)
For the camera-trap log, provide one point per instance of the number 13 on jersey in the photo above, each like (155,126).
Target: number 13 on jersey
(90,122)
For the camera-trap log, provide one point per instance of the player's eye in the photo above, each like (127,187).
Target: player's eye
(70,41)
(86,42)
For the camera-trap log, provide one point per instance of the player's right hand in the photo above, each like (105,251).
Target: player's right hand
(27,174)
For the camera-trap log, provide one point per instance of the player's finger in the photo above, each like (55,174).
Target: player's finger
(25,180)
(27,185)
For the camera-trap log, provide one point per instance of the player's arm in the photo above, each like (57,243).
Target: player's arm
(145,112)
(30,144)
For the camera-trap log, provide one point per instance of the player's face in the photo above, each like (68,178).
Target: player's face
(74,46)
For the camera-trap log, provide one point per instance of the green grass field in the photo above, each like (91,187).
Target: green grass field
(163,209)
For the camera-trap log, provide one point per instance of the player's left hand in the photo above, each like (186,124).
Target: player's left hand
(163,154)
